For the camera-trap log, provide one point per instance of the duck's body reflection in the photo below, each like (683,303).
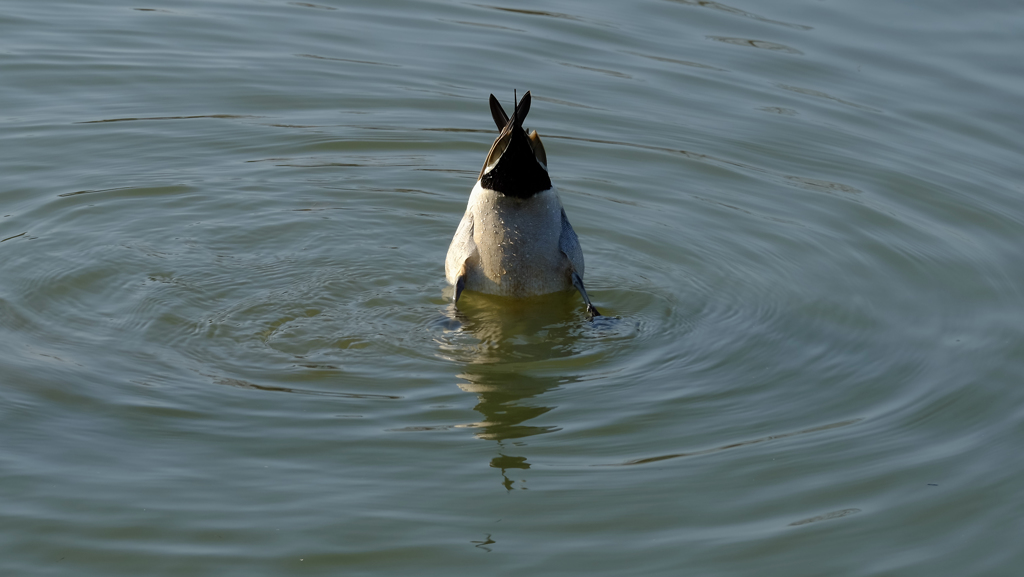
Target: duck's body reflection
(510,349)
(499,397)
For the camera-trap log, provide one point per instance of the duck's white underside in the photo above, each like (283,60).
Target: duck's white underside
(514,247)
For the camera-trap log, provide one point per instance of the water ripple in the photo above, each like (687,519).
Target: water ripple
(760,44)
(314,56)
(646,460)
(825,517)
(547,14)
(601,70)
(738,12)
(826,96)
(143,118)
(677,61)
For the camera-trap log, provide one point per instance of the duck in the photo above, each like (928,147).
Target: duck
(514,239)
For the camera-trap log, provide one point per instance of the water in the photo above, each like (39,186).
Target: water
(228,348)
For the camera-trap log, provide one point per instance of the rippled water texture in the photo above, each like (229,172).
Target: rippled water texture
(229,348)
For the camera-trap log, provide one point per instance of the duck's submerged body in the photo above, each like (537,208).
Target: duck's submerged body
(515,239)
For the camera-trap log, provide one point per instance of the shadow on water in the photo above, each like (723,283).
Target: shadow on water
(509,349)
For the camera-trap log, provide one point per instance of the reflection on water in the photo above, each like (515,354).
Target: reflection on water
(499,394)
(486,329)
(499,340)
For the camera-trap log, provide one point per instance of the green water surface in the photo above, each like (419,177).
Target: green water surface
(228,349)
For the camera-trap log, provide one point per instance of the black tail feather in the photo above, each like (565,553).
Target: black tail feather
(498,114)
